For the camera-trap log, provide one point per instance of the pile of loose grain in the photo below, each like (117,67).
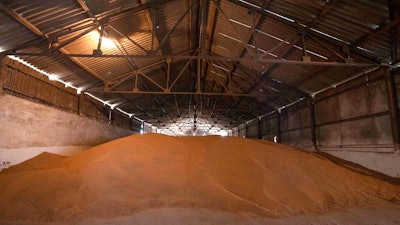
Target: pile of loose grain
(223,174)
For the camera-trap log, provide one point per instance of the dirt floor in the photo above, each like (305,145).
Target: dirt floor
(157,179)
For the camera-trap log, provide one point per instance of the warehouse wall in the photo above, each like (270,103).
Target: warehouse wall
(241,130)
(40,115)
(235,132)
(355,116)
(252,129)
(270,126)
(19,80)
(28,124)
(295,125)
(352,121)
(29,128)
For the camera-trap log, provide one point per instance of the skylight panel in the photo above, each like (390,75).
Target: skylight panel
(272,36)
(271,88)
(230,37)
(364,49)
(222,68)
(311,52)
(263,51)
(218,74)
(240,23)
(248,3)
(279,15)
(329,36)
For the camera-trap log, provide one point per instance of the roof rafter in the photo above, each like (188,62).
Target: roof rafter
(298,26)
(387,25)
(285,53)
(208,57)
(37,31)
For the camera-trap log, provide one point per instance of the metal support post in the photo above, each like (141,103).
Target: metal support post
(279,136)
(390,74)
(111,117)
(245,130)
(393,108)
(80,104)
(130,123)
(394,11)
(312,122)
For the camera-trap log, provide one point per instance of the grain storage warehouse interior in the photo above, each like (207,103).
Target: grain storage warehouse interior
(199,112)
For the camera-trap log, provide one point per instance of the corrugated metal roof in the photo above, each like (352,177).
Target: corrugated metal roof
(13,33)
(104,6)
(48,15)
(300,11)
(380,46)
(350,20)
(139,27)
(166,19)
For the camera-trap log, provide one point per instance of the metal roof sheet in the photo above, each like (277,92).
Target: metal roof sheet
(147,36)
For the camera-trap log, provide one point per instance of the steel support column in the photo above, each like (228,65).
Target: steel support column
(246,130)
(80,104)
(260,131)
(111,117)
(393,108)
(279,136)
(130,123)
(311,104)
(394,7)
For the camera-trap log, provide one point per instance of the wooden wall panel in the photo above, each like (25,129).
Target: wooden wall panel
(20,80)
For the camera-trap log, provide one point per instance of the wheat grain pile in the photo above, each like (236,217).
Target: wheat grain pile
(158,179)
